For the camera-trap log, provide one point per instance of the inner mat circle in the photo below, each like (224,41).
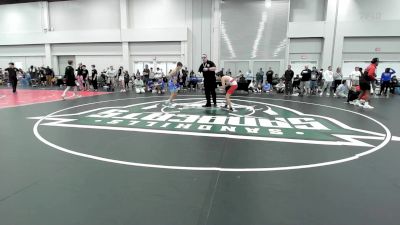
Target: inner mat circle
(229,141)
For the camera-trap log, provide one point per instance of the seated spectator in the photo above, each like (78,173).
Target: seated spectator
(149,87)
(280,87)
(139,85)
(252,87)
(342,90)
(266,87)
(192,80)
(275,80)
(158,82)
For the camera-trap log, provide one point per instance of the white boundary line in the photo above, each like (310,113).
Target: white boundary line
(387,139)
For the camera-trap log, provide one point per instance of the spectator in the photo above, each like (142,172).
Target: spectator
(111,74)
(146,75)
(42,75)
(121,79)
(137,74)
(275,80)
(49,76)
(355,76)
(394,83)
(288,76)
(270,74)
(296,82)
(280,87)
(241,78)
(33,72)
(84,78)
(328,80)
(184,76)
(305,81)
(320,81)
(192,80)
(260,78)
(337,77)
(313,81)
(126,80)
(342,90)
(94,78)
(139,85)
(385,80)
(249,76)
(241,74)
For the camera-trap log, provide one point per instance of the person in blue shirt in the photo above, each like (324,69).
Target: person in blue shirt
(385,80)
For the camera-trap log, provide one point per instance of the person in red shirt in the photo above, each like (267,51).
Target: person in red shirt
(365,84)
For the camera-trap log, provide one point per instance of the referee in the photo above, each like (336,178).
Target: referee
(208,69)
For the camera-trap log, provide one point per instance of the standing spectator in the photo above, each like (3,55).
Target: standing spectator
(42,74)
(184,76)
(126,79)
(111,74)
(296,82)
(146,75)
(270,74)
(355,76)
(70,79)
(33,72)
(288,76)
(12,76)
(151,76)
(21,77)
(320,80)
(260,78)
(79,77)
(49,76)
(208,69)
(94,78)
(385,80)
(241,75)
(305,81)
(249,76)
(84,78)
(137,74)
(313,81)
(338,77)
(328,80)
(121,79)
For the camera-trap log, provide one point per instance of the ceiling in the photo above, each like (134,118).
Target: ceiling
(3,2)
